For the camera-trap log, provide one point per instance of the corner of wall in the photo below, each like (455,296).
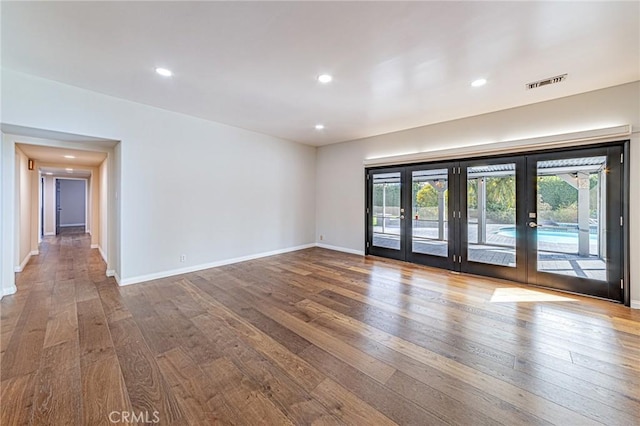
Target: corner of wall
(8,291)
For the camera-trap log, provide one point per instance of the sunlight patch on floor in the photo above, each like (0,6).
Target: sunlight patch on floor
(516,294)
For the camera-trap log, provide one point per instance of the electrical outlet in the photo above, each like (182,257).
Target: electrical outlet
(321,237)
(183,258)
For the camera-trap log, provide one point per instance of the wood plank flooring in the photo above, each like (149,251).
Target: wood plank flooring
(310,337)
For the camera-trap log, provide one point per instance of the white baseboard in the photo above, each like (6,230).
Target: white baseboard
(342,249)
(20,268)
(69,225)
(110,272)
(95,246)
(635,304)
(49,234)
(8,291)
(35,252)
(195,268)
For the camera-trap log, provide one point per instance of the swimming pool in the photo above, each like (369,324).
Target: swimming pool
(549,235)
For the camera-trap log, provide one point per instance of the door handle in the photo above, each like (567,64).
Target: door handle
(533,225)
(401,216)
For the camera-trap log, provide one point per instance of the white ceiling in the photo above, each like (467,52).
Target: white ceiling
(55,156)
(396,65)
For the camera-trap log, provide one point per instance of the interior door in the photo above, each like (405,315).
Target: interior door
(58,208)
(575,221)
(492,226)
(386,213)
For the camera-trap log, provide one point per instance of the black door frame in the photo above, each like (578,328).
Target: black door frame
(616,151)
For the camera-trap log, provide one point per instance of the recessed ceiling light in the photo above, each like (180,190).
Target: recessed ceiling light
(479,82)
(164,72)
(69,156)
(324,78)
(319,126)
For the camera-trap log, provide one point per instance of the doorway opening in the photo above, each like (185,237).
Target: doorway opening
(71,205)
(29,201)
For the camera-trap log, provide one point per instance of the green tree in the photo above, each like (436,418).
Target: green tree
(392,192)
(427,196)
(472,193)
(501,193)
(556,192)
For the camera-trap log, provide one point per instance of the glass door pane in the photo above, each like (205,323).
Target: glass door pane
(571,227)
(491,214)
(429,212)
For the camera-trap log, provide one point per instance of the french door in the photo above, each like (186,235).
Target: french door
(493,241)
(410,215)
(575,221)
(553,219)
(386,213)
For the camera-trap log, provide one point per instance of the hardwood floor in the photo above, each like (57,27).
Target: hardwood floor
(310,337)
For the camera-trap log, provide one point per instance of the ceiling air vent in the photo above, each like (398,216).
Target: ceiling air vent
(546,81)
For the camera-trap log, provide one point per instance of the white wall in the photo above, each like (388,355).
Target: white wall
(340,171)
(93,218)
(23,209)
(7,224)
(49,205)
(73,202)
(188,186)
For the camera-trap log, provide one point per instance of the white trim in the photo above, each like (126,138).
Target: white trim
(342,249)
(68,225)
(635,304)
(110,272)
(8,291)
(117,278)
(194,268)
(566,139)
(95,246)
(49,234)
(35,252)
(21,267)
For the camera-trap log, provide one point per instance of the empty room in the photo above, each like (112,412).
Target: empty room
(348,213)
